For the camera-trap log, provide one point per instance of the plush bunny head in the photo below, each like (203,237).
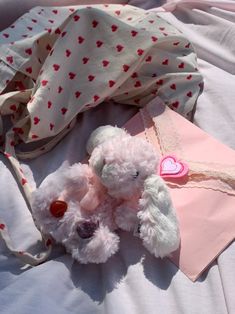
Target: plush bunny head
(122,162)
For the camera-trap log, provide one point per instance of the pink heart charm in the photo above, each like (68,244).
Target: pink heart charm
(171,167)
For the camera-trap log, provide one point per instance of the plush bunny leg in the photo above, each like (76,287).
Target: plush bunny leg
(126,216)
(158,223)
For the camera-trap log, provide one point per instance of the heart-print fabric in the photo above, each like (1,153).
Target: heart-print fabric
(59,61)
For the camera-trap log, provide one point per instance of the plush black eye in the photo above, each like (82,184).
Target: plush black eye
(136,175)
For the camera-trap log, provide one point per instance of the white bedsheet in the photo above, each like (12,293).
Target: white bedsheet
(132,281)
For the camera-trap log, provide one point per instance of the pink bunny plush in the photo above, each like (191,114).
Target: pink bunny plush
(83,206)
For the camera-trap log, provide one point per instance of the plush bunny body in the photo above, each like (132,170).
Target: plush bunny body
(119,189)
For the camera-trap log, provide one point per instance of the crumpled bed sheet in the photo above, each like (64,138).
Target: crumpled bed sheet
(132,281)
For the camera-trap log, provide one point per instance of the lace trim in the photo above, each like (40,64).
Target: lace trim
(213,176)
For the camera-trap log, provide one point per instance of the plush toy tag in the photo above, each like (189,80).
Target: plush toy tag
(171,167)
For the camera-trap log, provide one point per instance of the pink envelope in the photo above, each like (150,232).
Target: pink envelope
(205,201)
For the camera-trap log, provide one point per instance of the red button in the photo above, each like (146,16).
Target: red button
(58,208)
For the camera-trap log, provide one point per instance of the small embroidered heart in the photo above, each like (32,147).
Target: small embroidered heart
(51,126)
(173,86)
(29,28)
(48,47)
(36,120)
(48,30)
(111,83)
(119,48)
(6,35)
(91,78)
(114,28)
(105,63)
(118,12)
(170,166)
(34,21)
(77,94)
(140,52)
(56,67)
(9,59)
(151,21)
(60,89)
(58,31)
(23,181)
(71,9)
(134,33)
(125,67)
(165,62)
(13,107)
(55,11)
(63,34)
(28,70)
(181,65)
(68,53)
(80,39)
(154,39)
(187,46)
(28,51)
(189,77)
(96,97)
(176,43)
(2,226)
(162,28)
(51,21)
(64,110)
(189,94)
(85,60)
(34,136)
(160,82)
(94,23)
(137,84)
(99,43)
(44,82)
(175,104)
(134,75)
(148,59)
(72,75)
(76,18)
(49,104)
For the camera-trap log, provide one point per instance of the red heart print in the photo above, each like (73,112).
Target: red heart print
(91,78)
(105,63)
(55,11)
(165,62)
(125,67)
(137,84)
(2,226)
(68,53)
(189,94)
(149,59)
(24,36)
(173,86)
(176,43)
(154,39)
(29,70)
(99,43)
(162,28)
(28,51)
(44,82)
(85,60)
(72,75)
(187,46)
(160,82)
(48,47)
(64,110)
(51,126)
(77,94)
(134,33)
(119,48)
(13,107)
(114,28)
(48,30)
(134,75)
(118,12)
(175,104)
(9,59)
(56,67)
(71,9)
(181,65)
(140,52)
(151,21)
(34,21)
(23,181)
(60,89)
(29,28)
(95,23)
(6,35)
(58,31)
(189,77)
(12,26)
(36,120)
(111,83)
(49,104)
(80,39)
(34,136)
(96,97)
(63,34)
(76,18)
(129,18)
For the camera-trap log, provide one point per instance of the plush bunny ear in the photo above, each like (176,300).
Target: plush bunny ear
(101,135)
(158,223)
